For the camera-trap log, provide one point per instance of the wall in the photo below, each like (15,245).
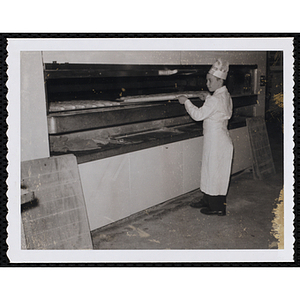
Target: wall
(113,57)
(34,131)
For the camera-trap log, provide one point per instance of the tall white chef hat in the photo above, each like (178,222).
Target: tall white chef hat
(220,69)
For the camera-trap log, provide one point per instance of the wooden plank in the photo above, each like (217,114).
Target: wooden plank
(263,164)
(58,219)
(161,97)
(96,118)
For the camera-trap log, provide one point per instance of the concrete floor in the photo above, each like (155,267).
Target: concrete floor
(175,225)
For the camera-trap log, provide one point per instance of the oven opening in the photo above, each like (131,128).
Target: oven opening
(101,110)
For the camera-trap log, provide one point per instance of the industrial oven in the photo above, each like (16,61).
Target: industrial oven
(134,143)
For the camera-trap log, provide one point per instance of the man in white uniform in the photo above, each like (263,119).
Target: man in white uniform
(217,145)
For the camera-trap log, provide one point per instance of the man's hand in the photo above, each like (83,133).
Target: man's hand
(182,99)
(203,95)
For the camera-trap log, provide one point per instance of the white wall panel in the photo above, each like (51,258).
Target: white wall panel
(147,181)
(113,57)
(192,155)
(106,190)
(234,57)
(34,130)
(172,170)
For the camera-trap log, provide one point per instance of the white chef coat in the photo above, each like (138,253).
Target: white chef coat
(217,144)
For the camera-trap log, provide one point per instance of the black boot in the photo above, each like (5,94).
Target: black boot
(216,206)
(201,203)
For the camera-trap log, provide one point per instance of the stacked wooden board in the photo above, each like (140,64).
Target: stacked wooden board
(263,164)
(57,218)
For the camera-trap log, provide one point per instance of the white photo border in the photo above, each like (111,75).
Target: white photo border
(16,255)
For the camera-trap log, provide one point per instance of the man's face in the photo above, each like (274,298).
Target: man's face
(213,83)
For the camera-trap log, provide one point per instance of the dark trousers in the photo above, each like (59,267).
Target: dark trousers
(217,203)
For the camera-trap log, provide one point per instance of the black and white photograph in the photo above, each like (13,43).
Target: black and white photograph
(150,150)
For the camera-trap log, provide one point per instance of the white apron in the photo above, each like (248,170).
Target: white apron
(217,144)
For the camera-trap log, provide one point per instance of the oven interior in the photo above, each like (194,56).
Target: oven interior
(88,113)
